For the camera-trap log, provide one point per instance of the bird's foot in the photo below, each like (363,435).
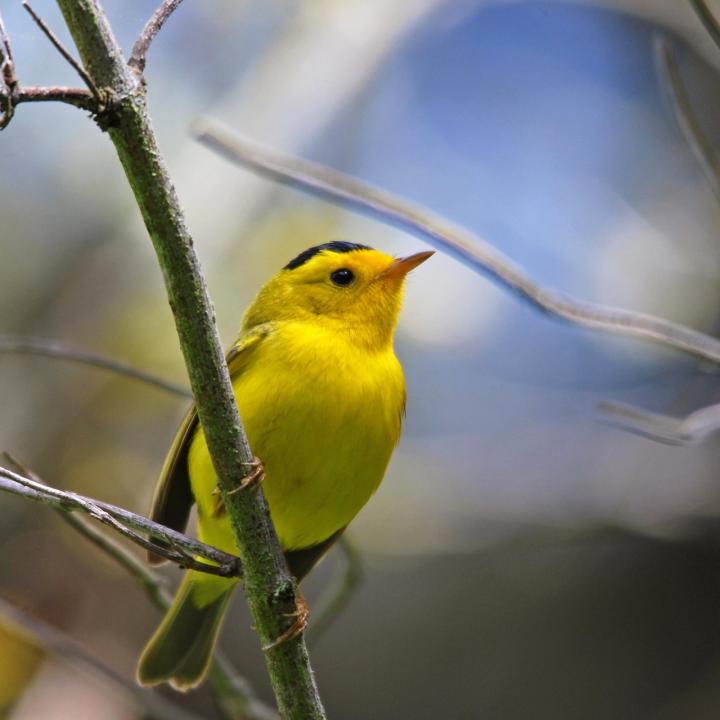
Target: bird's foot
(254,478)
(301,615)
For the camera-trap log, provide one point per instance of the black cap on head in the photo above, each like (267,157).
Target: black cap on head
(338,246)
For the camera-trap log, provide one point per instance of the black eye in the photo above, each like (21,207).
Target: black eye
(342,277)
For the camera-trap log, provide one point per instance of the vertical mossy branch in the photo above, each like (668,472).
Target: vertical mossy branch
(270,590)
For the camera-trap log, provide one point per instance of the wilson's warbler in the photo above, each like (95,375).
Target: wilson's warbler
(322,396)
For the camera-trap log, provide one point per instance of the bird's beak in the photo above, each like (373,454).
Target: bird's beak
(402,266)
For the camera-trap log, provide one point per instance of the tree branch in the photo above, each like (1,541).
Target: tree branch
(707,19)
(690,430)
(336,598)
(686,119)
(9,79)
(138,55)
(180,550)
(269,588)
(456,241)
(50,35)
(50,348)
(78,97)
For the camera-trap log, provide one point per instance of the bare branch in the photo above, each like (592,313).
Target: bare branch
(7,64)
(707,19)
(175,546)
(138,56)
(686,119)
(456,241)
(50,348)
(67,648)
(337,596)
(78,97)
(50,35)
(690,430)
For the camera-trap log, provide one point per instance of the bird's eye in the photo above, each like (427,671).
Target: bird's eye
(342,277)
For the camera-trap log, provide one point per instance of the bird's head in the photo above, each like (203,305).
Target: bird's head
(346,287)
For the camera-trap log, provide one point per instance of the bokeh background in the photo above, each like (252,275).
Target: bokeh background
(522,559)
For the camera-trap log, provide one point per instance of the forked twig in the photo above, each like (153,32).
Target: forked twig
(690,430)
(50,35)
(138,55)
(456,241)
(176,547)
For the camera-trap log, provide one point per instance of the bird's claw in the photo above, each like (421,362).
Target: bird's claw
(302,617)
(252,480)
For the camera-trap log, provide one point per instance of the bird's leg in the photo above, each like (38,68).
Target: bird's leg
(252,480)
(301,615)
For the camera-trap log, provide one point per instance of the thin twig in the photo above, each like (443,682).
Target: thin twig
(9,79)
(456,241)
(7,64)
(232,690)
(686,119)
(336,598)
(51,348)
(53,640)
(50,35)
(78,97)
(690,430)
(138,56)
(707,19)
(180,548)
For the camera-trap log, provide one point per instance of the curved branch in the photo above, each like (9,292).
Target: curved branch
(456,241)
(686,119)
(138,55)
(50,348)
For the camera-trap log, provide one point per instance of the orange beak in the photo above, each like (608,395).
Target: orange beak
(402,266)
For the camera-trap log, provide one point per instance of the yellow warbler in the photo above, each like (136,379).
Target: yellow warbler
(322,396)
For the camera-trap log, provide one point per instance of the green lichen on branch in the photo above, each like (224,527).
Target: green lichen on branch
(128,124)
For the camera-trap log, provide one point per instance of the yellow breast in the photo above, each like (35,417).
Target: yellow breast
(324,416)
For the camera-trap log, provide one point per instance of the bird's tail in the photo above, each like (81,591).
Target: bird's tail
(181,649)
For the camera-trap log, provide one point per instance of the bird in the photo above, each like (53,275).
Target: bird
(322,397)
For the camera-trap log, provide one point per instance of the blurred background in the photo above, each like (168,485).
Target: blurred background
(522,559)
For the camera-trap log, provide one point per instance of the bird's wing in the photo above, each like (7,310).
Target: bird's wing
(301,562)
(173,497)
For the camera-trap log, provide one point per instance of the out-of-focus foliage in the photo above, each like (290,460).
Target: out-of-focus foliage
(524,560)
(20,657)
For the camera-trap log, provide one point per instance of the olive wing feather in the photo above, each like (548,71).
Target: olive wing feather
(173,497)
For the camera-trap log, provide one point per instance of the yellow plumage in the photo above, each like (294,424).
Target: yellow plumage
(321,395)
